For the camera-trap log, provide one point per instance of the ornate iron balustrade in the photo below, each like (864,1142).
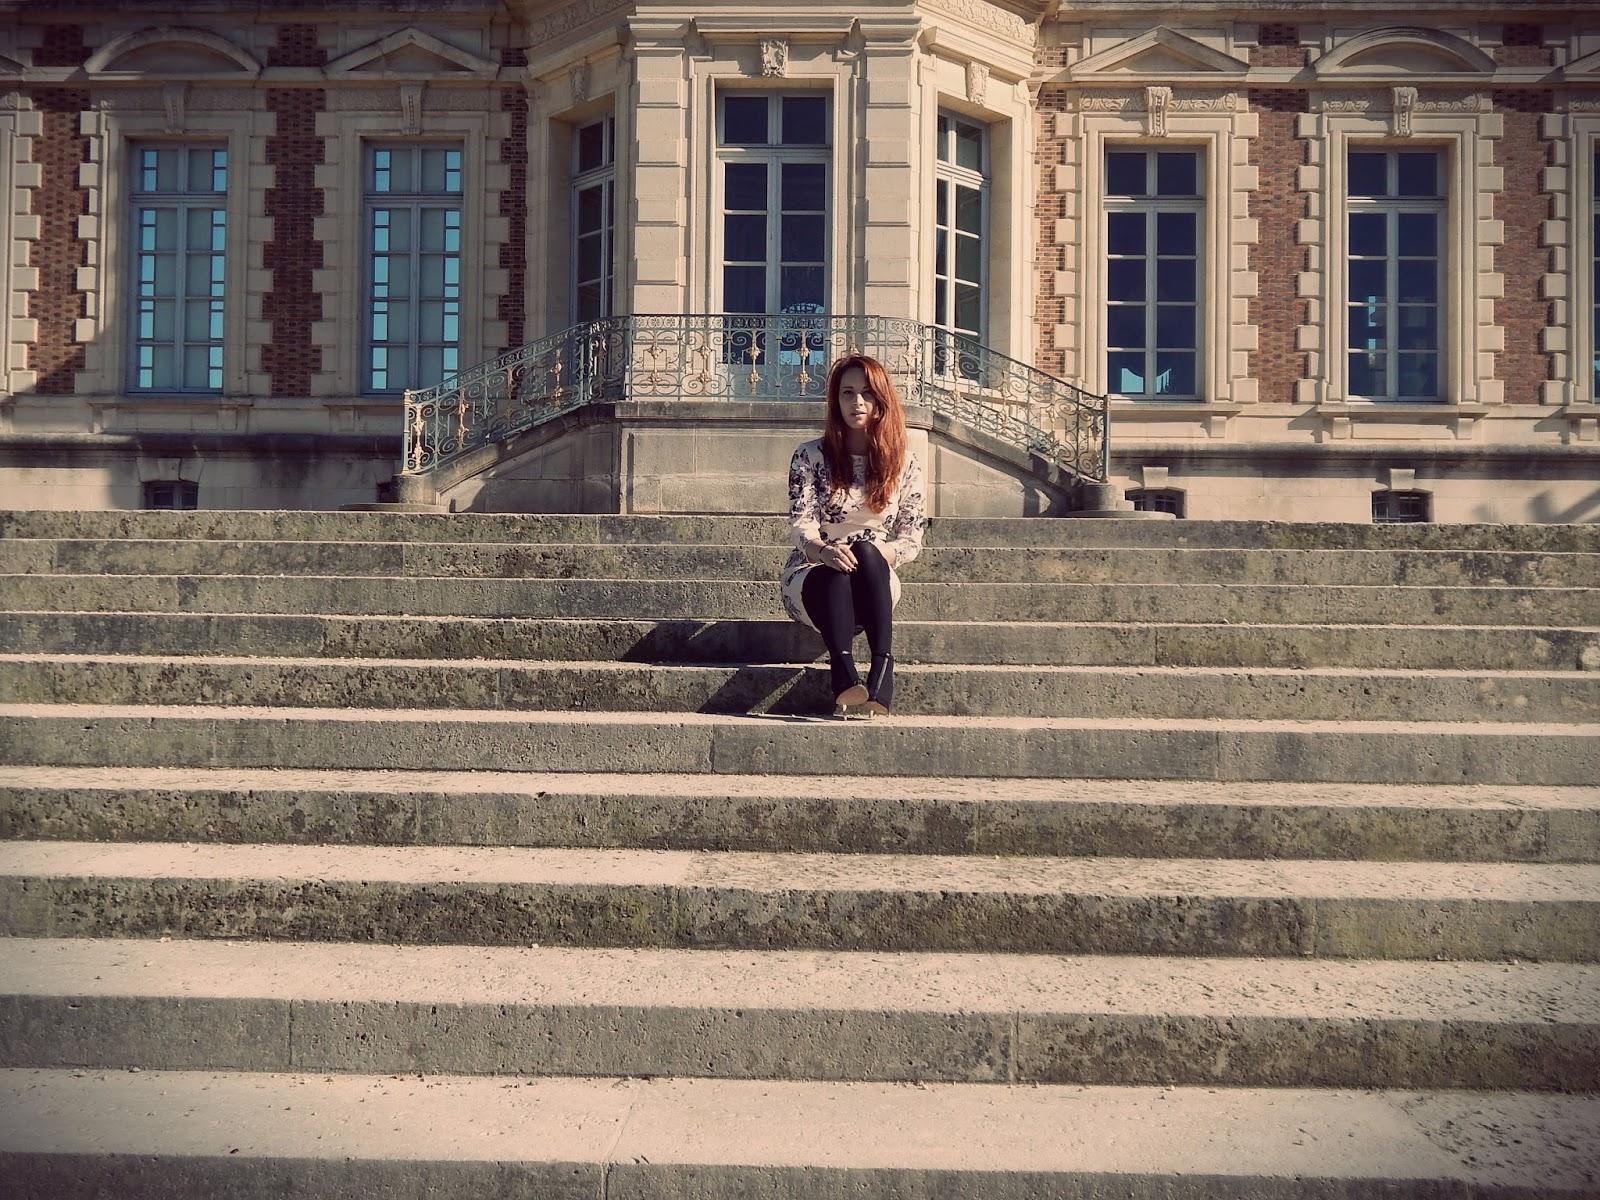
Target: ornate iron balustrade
(752,358)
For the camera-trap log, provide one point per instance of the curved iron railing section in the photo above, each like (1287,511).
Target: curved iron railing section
(752,358)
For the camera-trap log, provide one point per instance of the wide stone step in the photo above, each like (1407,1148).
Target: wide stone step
(257,1136)
(973,1018)
(1318,694)
(222,524)
(1013,747)
(903,814)
(983,564)
(658,599)
(1413,647)
(518,896)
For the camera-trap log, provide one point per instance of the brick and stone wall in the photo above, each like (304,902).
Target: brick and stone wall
(1277,258)
(1522,258)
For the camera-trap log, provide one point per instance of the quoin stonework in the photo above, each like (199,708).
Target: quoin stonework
(1323,262)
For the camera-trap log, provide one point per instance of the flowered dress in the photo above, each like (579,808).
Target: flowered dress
(819,517)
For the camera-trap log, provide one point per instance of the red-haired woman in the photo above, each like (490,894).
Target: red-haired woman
(855,502)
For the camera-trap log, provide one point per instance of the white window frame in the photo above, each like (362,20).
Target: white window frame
(1151,205)
(604,176)
(946,171)
(1393,206)
(416,202)
(182,202)
(774,154)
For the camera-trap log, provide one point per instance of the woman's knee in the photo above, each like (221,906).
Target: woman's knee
(869,558)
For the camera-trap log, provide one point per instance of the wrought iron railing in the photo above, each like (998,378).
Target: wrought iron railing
(752,358)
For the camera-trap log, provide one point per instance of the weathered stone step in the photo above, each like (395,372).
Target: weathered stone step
(1015,747)
(519,896)
(903,814)
(657,599)
(1265,693)
(973,1018)
(740,530)
(155,1135)
(1412,647)
(982,564)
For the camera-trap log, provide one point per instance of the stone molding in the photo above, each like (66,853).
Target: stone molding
(20,126)
(1574,137)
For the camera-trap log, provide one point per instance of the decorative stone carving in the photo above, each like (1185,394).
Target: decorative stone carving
(573,16)
(580,82)
(411,108)
(1212,102)
(977,81)
(774,57)
(1455,104)
(1349,103)
(988,16)
(1156,102)
(175,98)
(1405,105)
(1107,103)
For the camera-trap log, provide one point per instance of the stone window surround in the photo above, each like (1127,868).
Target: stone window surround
(107,232)
(1575,189)
(338,281)
(1471,235)
(1226,336)
(19,228)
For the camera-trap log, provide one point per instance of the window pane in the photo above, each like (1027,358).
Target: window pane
(590,255)
(1368,281)
(744,289)
(746,186)
(942,139)
(156,320)
(805,121)
(1419,279)
(162,371)
(591,146)
(969,146)
(591,209)
(197,268)
(197,367)
(1419,327)
(802,238)
(196,321)
(1175,326)
(589,302)
(1368,173)
(1175,279)
(1175,233)
(1369,233)
(744,239)
(969,306)
(1177,174)
(1125,232)
(1125,279)
(1174,374)
(801,289)
(744,120)
(1125,173)
(1125,372)
(1419,233)
(941,248)
(1367,330)
(1125,326)
(805,187)
(166,229)
(969,210)
(969,259)
(1367,374)
(1418,173)
(1419,375)
(941,202)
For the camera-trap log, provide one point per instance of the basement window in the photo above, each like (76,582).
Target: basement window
(172,493)
(1167,500)
(1401,508)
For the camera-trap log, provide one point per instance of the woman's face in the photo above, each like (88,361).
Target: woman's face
(858,407)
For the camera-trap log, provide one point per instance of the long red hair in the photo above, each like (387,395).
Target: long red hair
(886,436)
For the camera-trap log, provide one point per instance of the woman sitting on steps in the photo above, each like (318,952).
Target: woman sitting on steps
(856,506)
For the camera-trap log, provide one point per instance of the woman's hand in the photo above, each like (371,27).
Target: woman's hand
(840,558)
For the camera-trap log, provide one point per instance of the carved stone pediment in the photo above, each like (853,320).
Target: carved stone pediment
(410,52)
(172,50)
(1159,54)
(1403,51)
(1587,67)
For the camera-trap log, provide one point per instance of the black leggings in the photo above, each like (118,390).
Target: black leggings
(840,602)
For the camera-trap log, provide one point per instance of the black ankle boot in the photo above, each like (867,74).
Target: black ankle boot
(847,689)
(880,686)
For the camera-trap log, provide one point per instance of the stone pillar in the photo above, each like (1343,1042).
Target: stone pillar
(657,278)
(890,181)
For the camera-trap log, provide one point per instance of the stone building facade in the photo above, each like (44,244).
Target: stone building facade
(1324,264)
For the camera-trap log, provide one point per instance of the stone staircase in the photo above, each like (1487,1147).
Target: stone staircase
(377,855)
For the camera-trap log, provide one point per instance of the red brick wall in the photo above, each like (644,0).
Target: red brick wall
(1278,46)
(1277,257)
(293,202)
(1522,365)
(58,203)
(514,206)
(1520,47)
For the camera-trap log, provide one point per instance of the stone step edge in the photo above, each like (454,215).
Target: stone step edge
(256,1133)
(972,1017)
